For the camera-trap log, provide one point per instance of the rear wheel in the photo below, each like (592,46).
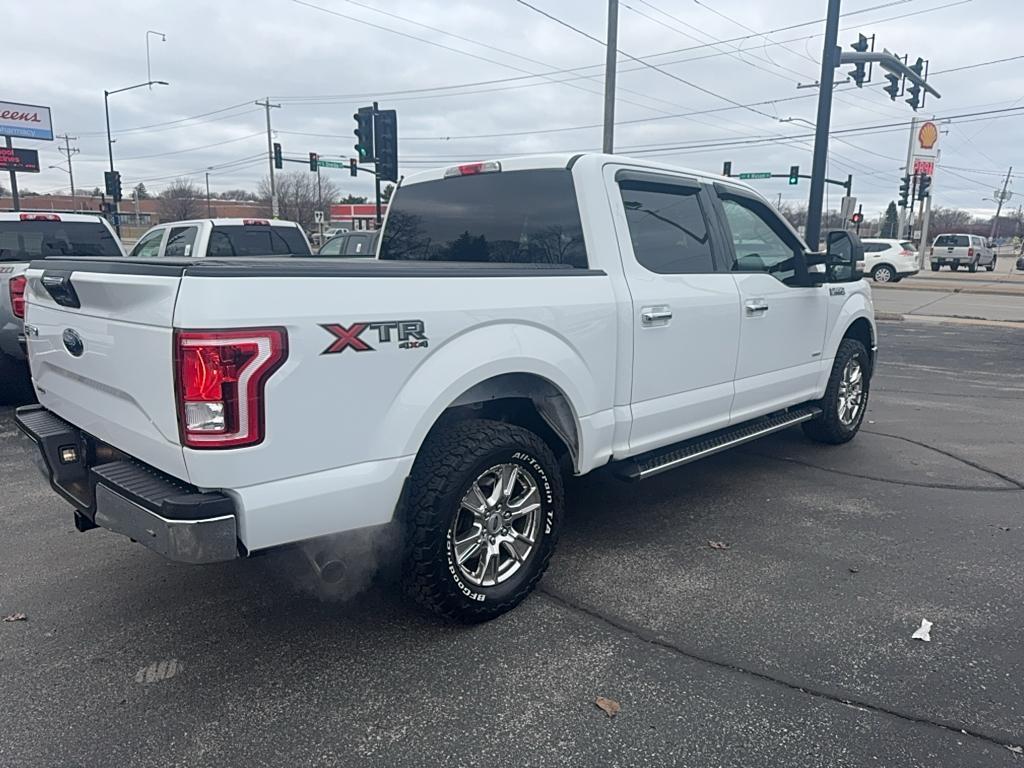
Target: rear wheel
(991,267)
(935,267)
(883,273)
(15,381)
(484,510)
(846,397)
(973,267)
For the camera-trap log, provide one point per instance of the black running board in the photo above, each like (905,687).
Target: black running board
(654,462)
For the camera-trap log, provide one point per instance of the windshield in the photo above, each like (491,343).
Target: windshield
(28,240)
(249,240)
(517,217)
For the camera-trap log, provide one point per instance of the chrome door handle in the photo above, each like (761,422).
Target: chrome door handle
(755,307)
(654,315)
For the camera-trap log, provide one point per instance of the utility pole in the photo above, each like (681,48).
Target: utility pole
(319,206)
(68,150)
(209,214)
(999,204)
(610,60)
(270,155)
(15,200)
(829,61)
(376,173)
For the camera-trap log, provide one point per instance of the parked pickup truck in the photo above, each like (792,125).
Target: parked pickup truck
(25,237)
(222,238)
(524,319)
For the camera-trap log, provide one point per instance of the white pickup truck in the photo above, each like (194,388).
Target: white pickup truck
(222,238)
(524,319)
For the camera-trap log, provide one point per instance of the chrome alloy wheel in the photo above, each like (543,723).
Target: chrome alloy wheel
(851,393)
(496,526)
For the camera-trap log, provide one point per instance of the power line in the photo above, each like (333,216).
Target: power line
(975,66)
(191,118)
(195,149)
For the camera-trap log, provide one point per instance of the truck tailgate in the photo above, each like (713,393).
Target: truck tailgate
(106,365)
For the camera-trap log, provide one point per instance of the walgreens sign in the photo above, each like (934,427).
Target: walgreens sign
(25,121)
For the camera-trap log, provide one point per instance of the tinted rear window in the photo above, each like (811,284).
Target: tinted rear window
(957,241)
(908,246)
(241,240)
(27,240)
(508,217)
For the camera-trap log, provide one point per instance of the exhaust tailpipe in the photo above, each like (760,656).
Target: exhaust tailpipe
(326,564)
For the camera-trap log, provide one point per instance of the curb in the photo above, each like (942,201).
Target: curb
(896,317)
(1017,290)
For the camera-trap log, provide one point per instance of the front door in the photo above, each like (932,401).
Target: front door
(685,308)
(782,325)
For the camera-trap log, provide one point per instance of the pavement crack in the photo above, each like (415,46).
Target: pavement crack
(652,638)
(980,467)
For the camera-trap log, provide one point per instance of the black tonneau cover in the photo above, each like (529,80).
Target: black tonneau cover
(303,267)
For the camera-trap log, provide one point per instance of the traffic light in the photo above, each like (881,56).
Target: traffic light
(924,186)
(364,133)
(353,169)
(857,218)
(915,89)
(904,191)
(314,161)
(893,88)
(385,126)
(727,168)
(278,156)
(858,72)
(112,182)
(794,174)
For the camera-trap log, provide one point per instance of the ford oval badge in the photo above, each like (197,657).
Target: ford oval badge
(73,342)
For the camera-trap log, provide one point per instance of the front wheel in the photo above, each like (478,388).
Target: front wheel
(846,396)
(484,509)
(935,267)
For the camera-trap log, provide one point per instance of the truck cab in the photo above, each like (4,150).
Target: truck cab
(222,238)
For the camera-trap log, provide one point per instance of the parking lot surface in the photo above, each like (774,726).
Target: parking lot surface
(790,645)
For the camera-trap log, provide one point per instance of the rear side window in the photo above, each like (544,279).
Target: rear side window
(875,247)
(149,246)
(359,245)
(667,228)
(507,217)
(907,246)
(181,241)
(27,240)
(954,241)
(256,240)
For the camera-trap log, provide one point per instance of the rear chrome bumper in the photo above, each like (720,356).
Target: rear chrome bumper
(112,490)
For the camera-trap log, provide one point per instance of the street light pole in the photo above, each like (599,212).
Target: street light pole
(149,73)
(610,59)
(209,215)
(829,62)
(110,141)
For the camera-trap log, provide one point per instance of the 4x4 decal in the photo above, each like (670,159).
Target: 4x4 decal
(409,334)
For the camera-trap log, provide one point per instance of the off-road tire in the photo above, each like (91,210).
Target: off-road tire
(827,428)
(450,461)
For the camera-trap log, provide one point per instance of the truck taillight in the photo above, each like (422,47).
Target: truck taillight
(17,289)
(219,378)
(39,217)
(970,253)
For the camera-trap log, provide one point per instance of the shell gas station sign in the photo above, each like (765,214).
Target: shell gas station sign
(926,147)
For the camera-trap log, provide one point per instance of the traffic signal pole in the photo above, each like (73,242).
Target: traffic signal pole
(611,57)
(908,171)
(376,172)
(270,156)
(822,125)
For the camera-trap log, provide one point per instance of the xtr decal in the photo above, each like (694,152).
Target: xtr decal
(409,334)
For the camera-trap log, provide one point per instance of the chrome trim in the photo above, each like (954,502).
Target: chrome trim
(210,540)
(726,446)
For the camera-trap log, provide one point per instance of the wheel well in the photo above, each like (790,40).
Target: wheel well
(527,400)
(860,329)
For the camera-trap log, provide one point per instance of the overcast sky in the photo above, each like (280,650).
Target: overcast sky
(473,86)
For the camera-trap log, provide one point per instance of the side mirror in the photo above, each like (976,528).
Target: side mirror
(844,257)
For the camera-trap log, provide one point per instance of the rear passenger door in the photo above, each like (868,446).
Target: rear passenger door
(685,309)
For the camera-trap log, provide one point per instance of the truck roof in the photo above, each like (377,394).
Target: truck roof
(566,159)
(71,217)
(226,222)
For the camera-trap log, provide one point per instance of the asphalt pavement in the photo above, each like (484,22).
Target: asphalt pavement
(791,646)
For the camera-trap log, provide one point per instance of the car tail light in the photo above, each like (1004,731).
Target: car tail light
(255,223)
(39,217)
(970,253)
(219,378)
(472,169)
(931,251)
(17,289)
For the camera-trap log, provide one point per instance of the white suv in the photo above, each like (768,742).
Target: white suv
(889,261)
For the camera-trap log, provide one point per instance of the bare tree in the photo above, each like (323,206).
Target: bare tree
(297,196)
(796,214)
(945,220)
(238,194)
(179,200)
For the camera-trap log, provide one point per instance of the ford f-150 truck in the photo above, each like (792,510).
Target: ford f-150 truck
(222,238)
(524,319)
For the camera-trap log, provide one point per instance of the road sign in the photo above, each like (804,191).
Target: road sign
(333,163)
(758,175)
(23,160)
(318,217)
(846,208)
